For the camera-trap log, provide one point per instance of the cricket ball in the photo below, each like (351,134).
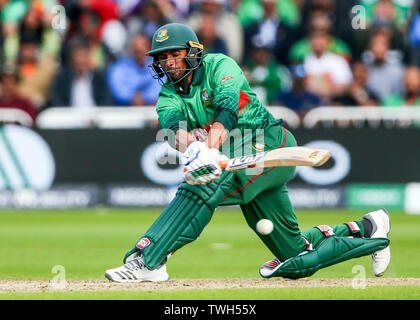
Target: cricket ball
(264,226)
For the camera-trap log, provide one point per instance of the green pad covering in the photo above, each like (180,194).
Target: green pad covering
(182,221)
(332,250)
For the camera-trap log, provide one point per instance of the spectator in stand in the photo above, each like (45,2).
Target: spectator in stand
(358,94)
(411,92)
(35,24)
(271,32)
(385,67)
(80,85)
(114,36)
(228,27)
(328,6)
(12,13)
(209,38)
(130,80)
(298,98)
(265,75)
(85,28)
(170,8)
(1,41)
(328,74)
(149,15)
(9,94)
(340,13)
(36,72)
(105,11)
(398,12)
(319,22)
(413,35)
(251,11)
(110,30)
(381,23)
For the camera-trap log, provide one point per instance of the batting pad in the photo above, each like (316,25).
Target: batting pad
(332,250)
(182,221)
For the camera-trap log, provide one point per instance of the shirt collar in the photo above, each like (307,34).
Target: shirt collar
(198,76)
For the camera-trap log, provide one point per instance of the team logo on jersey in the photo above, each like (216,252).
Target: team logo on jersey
(162,35)
(205,97)
(143,243)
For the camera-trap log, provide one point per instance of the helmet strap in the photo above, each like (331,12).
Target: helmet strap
(193,59)
(182,86)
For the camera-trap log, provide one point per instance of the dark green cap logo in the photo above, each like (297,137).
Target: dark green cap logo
(162,35)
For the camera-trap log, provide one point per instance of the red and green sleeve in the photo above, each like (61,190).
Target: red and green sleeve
(228,80)
(169,114)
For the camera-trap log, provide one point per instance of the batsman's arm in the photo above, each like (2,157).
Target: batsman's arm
(182,140)
(227,79)
(217,135)
(173,121)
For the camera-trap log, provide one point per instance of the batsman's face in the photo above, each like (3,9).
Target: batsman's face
(173,63)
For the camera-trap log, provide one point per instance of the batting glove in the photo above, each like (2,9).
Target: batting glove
(201,164)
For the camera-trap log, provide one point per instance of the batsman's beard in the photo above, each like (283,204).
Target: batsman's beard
(175,74)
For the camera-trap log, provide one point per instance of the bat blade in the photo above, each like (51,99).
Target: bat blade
(285,157)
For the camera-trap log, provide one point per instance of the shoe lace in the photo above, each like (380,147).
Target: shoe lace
(135,264)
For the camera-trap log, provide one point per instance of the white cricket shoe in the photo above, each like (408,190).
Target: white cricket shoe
(268,268)
(136,271)
(381,225)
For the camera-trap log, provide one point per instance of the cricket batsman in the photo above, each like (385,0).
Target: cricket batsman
(205,103)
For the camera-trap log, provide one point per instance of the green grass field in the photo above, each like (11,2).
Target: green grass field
(87,242)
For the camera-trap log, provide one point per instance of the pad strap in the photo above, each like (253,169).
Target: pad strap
(354,229)
(326,230)
(308,245)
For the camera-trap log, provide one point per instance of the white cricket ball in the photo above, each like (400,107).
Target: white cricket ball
(264,226)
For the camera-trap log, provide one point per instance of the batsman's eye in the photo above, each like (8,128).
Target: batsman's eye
(176,53)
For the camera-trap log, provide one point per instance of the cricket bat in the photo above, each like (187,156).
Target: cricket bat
(284,157)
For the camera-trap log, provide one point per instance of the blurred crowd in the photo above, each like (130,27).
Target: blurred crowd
(300,54)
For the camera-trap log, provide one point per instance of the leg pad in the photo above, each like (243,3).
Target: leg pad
(332,250)
(182,221)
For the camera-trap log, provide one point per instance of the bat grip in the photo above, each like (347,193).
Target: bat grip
(222,164)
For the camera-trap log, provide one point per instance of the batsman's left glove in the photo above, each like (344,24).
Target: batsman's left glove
(201,163)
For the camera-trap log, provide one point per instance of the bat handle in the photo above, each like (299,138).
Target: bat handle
(222,164)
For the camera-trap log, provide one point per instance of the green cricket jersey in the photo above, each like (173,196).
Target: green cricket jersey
(218,85)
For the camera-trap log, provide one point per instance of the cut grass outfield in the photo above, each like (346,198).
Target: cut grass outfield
(327,293)
(87,242)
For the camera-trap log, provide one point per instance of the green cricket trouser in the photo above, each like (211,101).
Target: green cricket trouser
(260,193)
(264,195)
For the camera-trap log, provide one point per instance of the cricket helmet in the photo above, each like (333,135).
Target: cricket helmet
(175,36)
